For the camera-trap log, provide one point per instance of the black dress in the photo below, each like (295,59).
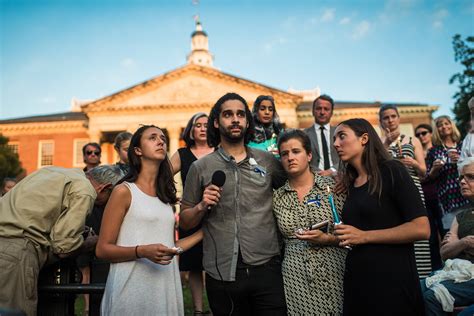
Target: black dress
(190,260)
(382,279)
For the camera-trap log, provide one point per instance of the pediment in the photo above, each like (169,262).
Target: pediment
(187,86)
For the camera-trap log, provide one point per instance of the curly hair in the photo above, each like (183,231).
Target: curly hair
(213,134)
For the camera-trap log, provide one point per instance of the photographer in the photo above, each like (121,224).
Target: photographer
(42,218)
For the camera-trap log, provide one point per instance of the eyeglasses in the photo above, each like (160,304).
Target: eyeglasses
(90,152)
(469,177)
(421,134)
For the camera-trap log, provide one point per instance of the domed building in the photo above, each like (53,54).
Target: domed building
(168,100)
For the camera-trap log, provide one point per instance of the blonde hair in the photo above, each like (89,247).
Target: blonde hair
(437,140)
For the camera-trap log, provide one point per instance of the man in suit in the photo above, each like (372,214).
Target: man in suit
(325,158)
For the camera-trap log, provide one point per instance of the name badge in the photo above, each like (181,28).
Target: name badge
(316,201)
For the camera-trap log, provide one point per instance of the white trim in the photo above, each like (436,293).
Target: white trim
(40,152)
(76,150)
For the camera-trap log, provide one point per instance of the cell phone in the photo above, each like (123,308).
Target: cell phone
(322,226)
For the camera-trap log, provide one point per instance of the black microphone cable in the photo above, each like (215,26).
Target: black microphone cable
(218,179)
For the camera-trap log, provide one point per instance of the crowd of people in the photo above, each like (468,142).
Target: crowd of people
(330,220)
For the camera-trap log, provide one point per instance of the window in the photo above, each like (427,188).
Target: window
(14,146)
(78,159)
(46,152)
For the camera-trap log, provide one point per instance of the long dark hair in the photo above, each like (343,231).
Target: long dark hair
(213,135)
(373,156)
(274,127)
(165,186)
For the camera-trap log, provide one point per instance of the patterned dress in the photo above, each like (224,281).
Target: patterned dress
(422,247)
(312,275)
(449,192)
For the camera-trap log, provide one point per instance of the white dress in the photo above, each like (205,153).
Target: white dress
(141,287)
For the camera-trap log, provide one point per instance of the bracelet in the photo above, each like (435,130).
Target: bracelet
(136,252)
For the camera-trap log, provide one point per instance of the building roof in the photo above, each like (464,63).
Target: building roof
(308,105)
(65,116)
(198,33)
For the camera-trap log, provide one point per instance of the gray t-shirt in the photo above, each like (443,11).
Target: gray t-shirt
(243,219)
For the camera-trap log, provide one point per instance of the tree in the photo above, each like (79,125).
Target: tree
(463,53)
(10,165)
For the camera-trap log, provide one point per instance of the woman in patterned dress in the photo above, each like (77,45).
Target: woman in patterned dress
(441,162)
(409,151)
(313,265)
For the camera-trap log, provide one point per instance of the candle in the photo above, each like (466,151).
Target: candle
(337,220)
(333,207)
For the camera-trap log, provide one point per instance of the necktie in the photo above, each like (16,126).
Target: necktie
(325,149)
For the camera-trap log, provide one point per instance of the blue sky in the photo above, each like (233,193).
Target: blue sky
(354,50)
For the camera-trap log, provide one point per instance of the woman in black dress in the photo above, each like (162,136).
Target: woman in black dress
(194,135)
(383,215)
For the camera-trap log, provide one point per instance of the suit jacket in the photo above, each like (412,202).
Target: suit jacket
(314,148)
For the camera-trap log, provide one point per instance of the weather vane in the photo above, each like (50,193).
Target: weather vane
(196,16)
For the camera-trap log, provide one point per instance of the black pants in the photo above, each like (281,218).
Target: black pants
(257,290)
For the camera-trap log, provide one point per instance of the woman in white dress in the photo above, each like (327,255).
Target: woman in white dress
(137,234)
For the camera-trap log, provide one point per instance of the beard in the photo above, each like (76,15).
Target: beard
(229,136)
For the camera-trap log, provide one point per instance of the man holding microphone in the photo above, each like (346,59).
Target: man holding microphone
(241,249)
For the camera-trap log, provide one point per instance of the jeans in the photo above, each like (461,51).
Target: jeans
(257,290)
(463,294)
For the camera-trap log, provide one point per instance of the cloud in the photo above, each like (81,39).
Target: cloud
(345,21)
(269,46)
(438,24)
(128,63)
(395,9)
(439,17)
(328,15)
(361,30)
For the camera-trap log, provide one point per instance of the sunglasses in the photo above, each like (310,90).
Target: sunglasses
(90,152)
(421,133)
(468,176)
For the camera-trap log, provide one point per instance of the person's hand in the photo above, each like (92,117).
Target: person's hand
(447,238)
(89,243)
(158,253)
(339,187)
(210,196)
(325,173)
(409,162)
(315,236)
(453,156)
(391,136)
(349,235)
(437,165)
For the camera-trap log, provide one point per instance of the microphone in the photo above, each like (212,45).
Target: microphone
(218,179)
